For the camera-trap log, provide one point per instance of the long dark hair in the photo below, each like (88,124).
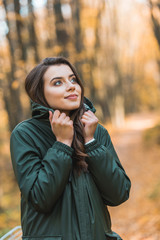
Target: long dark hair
(34,86)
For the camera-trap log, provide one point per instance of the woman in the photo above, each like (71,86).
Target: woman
(64,161)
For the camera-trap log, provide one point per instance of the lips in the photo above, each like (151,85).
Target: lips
(72,96)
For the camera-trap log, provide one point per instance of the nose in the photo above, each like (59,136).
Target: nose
(70,86)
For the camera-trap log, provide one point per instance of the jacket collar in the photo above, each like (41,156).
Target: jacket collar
(40,111)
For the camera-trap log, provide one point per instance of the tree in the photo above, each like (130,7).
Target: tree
(155,13)
(19,27)
(113,77)
(11,94)
(32,33)
(60,25)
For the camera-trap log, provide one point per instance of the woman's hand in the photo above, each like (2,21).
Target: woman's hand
(90,122)
(62,127)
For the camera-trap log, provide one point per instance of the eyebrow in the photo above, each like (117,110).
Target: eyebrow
(61,77)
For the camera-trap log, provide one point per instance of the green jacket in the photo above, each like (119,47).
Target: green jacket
(56,204)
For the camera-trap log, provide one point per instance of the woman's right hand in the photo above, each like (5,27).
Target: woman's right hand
(62,127)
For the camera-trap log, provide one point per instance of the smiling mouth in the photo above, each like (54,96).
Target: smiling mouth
(72,97)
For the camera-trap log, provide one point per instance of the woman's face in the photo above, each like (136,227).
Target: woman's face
(61,89)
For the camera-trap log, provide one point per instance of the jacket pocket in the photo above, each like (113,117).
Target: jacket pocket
(112,236)
(43,238)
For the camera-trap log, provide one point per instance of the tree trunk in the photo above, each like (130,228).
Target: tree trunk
(33,38)
(51,38)
(61,33)
(11,93)
(94,63)
(78,38)
(155,20)
(117,111)
(77,27)
(156,25)
(115,92)
(19,26)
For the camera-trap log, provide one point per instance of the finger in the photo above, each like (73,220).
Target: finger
(70,122)
(89,120)
(67,119)
(84,120)
(86,117)
(50,116)
(56,115)
(62,117)
(89,113)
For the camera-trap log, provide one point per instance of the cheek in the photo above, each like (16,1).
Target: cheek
(51,92)
(79,89)
(46,92)
(50,95)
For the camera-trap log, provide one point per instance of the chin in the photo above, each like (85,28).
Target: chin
(77,106)
(72,109)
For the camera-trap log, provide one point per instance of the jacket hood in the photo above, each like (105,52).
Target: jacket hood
(40,111)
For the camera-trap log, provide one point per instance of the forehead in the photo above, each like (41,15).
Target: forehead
(61,70)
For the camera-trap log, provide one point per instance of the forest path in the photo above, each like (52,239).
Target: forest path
(138,218)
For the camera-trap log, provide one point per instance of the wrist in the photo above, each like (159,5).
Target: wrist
(67,142)
(88,139)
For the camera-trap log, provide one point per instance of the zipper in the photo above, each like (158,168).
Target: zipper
(83,211)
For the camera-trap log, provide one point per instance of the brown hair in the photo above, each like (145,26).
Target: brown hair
(34,86)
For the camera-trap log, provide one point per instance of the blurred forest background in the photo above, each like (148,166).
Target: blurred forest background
(115,46)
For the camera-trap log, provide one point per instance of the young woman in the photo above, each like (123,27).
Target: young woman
(64,161)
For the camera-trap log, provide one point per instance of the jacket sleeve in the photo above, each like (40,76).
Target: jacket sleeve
(41,181)
(106,169)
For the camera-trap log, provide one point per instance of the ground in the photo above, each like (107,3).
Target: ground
(138,218)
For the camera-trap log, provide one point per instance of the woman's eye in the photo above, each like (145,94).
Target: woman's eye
(73,80)
(57,83)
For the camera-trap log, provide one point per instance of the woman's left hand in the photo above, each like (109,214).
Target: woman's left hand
(90,122)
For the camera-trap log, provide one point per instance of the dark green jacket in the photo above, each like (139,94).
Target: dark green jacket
(56,204)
